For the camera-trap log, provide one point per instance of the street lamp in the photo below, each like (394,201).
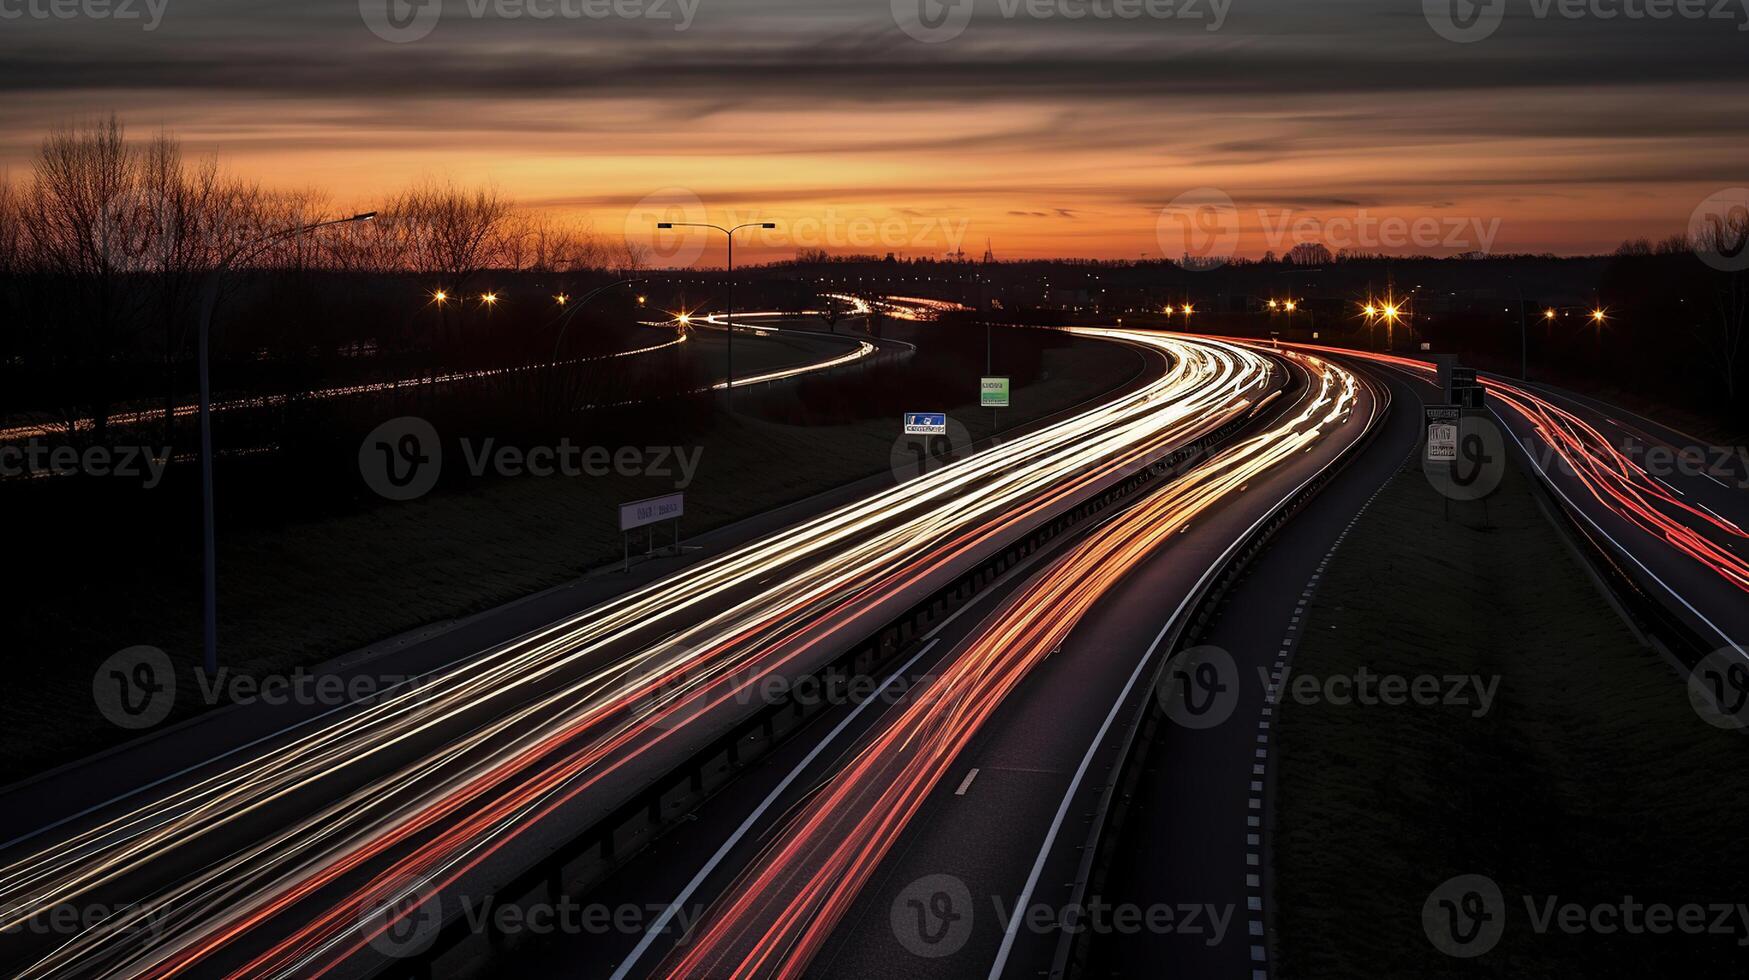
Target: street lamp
(572,310)
(730,233)
(209,297)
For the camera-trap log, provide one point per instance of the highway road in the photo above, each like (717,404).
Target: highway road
(966,796)
(258,862)
(1677,530)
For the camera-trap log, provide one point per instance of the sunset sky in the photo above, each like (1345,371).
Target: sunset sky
(1044,136)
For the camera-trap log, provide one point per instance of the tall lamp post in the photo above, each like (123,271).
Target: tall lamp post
(209,297)
(572,309)
(730,233)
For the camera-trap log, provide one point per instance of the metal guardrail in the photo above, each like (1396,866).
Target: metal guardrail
(1107,819)
(591,856)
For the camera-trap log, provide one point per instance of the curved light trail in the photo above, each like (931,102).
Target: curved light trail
(1612,478)
(777,916)
(34,431)
(267,857)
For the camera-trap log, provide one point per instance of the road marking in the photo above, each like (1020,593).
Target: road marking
(662,921)
(967,784)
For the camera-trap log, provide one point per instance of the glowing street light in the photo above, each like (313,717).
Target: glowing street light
(730,321)
(561,299)
(1290,306)
(440,297)
(1548,314)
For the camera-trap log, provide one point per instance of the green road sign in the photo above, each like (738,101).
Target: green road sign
(993,392)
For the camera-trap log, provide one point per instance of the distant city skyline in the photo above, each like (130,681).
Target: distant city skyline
(1045,136)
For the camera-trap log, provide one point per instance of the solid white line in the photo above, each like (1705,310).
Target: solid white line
(967,784)
(661,923)
(1038,864)
(1575,508)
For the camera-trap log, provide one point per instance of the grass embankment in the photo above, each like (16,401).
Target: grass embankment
(1591,779)
(298,593)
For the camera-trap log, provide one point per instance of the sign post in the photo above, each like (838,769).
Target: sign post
(994,394)
(644,513)
(926,423)
(1442,438)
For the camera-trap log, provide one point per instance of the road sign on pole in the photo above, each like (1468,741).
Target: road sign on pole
(993,392)
(926,423)
(644,513)
(1442,432)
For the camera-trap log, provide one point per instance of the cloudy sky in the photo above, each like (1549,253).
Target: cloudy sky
(916,126)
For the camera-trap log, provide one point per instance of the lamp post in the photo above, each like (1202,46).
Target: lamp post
(730,233)
(209,296)
(572,309)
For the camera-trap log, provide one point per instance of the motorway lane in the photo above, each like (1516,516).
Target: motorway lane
(1682,551)
(1189,827)
(1717,477)
(528,728)
(1037,712)
(1069,713)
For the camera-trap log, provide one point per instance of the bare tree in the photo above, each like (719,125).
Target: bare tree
(90,225)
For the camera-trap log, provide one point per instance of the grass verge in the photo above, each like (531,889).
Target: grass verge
(1590,781)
